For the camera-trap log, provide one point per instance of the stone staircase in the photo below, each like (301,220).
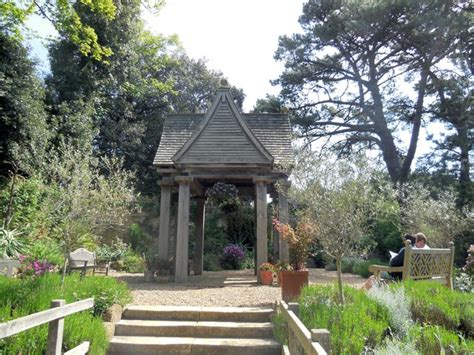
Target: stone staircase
(194,330)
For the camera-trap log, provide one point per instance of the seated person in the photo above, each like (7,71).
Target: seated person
(421,241)
(397,260)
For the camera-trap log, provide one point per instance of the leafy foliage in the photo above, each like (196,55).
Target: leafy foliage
(339,205)
(23,120)
(65,17)
(10,243)
(21,297)
(439,218)
(342,71)
(359,323)
(452,310)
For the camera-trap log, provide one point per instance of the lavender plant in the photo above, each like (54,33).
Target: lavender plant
(397,303)
(395,347)
(232,257)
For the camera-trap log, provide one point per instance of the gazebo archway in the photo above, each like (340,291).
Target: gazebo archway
(250,151)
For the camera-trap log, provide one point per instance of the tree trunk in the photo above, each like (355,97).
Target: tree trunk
(339,279)
(387,144)
(415,133)
(465,183)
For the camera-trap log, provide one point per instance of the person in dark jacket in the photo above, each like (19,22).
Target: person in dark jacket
(397,260)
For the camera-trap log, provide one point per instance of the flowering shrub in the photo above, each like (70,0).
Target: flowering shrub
(32,267)
(299,241)
(232,257)
(267,267)
(283,266)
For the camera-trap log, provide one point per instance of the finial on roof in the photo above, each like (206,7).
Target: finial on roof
(224,84)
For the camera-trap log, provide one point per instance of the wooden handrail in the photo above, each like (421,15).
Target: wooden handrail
(55,317)
(19,325)
(302,334)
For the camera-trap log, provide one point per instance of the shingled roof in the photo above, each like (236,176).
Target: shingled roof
(268,136)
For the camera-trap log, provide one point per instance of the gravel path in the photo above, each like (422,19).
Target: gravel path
(221,288)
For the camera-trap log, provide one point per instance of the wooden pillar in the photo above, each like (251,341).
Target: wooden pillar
(275,234)
(182,233)
(261,222)
(199,247)
(283,217)
(165,206)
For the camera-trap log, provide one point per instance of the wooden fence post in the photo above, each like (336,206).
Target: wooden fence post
(323,337)
(55,332)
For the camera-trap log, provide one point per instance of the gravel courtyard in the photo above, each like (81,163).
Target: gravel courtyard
(220,288)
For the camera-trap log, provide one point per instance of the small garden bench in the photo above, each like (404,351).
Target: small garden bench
(422,264)
(83,260)
(7,267)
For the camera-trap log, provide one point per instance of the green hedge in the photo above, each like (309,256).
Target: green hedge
(21,297)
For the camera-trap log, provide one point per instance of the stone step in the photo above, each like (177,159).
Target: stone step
(171,345)
(185,313)
(200,329)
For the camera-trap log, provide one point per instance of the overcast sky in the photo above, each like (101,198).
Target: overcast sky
(238,38)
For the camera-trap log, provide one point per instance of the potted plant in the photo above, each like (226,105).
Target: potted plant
(281,266)
(149,259)
(266,274)
(163,267)
(299,241)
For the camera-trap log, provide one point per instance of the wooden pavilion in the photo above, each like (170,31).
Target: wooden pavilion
(252,151)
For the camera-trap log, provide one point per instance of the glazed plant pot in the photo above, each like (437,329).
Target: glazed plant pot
(292,282)
(148,275)
(266,277)
(162,279)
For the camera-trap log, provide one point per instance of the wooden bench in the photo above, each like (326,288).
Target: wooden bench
(7,267)
(83,260)
(422,264)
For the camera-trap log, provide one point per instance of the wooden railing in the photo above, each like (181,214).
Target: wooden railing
(55,317)
(302,341)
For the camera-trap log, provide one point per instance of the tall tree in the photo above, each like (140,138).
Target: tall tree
(145,78)
(124,92)
(196,85)
(344,73)
(23,123)
(454,108)
(270,104)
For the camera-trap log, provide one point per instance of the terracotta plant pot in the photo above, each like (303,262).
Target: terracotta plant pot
(266,277)
(291,284)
